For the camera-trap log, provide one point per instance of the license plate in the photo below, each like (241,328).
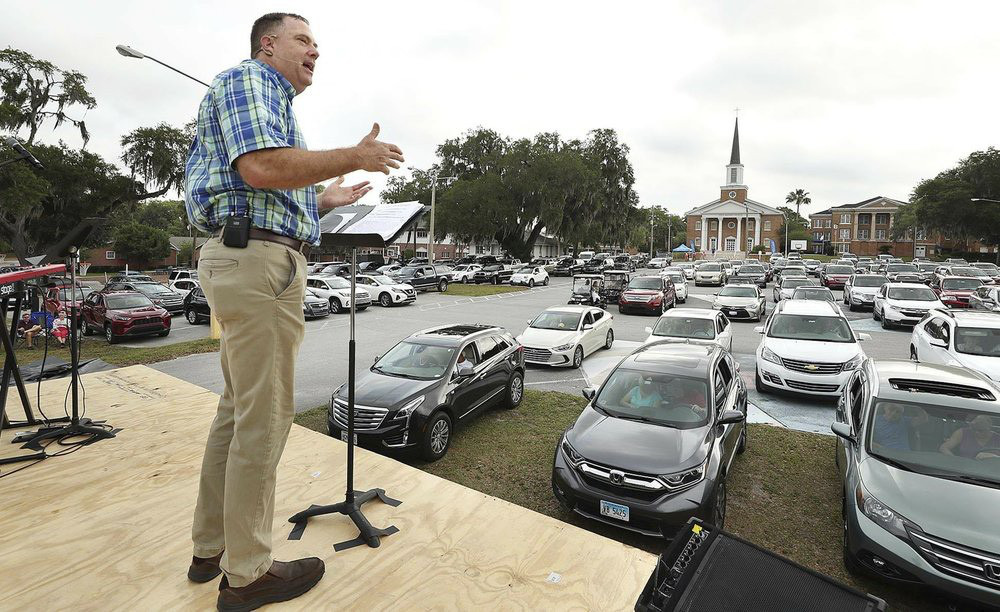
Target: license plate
(615,511)
(343,437)
(732,313)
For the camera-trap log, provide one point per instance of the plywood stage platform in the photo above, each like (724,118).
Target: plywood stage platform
(108,527)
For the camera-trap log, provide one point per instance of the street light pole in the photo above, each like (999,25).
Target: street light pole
(785,217)
(650,232)
(430,234)
(130,52)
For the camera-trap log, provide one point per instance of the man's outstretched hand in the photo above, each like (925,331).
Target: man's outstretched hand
(336,194)
(377,156)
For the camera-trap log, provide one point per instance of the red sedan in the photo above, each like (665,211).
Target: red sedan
(955,291)
(653,294)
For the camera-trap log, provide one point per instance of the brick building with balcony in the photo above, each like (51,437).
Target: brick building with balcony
(733,224)
(865,228)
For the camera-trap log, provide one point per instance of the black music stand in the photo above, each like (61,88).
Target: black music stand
(68,248)
(337,233)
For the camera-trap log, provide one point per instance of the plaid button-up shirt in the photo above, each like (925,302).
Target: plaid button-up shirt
(247,108)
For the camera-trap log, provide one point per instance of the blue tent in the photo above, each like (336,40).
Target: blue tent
(683,248)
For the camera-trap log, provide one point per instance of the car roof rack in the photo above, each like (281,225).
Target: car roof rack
(941,388)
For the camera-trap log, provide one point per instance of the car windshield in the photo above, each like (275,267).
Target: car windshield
(124,302)
(809,327)
(978,341)
(737,291)
(918,294)
(712,267)
(792,283)
(645,282)
(963,271)
(408,271)
(991,268)
(461,267)
(961,283)
(839,270)
(154,289)
(383,280)
(901,268)
(664,399)
(557,320)
(81,293)
(807,293)
(751,270)
(870,281)
(337,282)
(676,278)
(927,267)
(943,441)
(413,360)
(685,327)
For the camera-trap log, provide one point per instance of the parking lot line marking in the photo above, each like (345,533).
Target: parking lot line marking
(553,382)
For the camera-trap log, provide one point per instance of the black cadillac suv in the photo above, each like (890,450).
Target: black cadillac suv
(422,389)
(655,444)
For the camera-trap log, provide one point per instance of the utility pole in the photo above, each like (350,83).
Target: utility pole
(670,226)
(430,234)
(650,232)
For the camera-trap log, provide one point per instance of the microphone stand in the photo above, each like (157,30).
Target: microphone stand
(353,500)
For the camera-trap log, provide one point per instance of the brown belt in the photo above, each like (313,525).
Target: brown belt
(261,234)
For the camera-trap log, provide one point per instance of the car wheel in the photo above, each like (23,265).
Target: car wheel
(850,306)
(84,328)
(741,446)
(335,306)
(385,300)
(465,280)
(164,333)
(621,309)
(578,357)
(531,283)
(437,438)
(610,339)
(886,324)
(109,335)
(913,353)
(719,505)
(443,285)
(545,282)
(515,391)
(850,563)
(758,383)
(191,316)
(875,314)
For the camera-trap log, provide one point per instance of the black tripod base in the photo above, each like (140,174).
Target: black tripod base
(81,428)
(369,534)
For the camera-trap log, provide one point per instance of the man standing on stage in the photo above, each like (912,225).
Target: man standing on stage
(249,160)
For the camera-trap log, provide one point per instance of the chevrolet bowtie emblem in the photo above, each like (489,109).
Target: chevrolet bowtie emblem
(812,367)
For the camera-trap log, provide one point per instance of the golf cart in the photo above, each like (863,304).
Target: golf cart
(615,282)
(587,290)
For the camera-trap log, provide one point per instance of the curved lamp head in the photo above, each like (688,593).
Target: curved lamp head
(129,52)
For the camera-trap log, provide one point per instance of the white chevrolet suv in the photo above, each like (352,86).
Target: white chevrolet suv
(808,346)
(968,339)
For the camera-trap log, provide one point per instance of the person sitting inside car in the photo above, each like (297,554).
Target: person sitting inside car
(685,398)
(893,428)
(643,396)
(467,358)
(977,440)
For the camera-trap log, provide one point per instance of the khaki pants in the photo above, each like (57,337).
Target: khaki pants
(256,294)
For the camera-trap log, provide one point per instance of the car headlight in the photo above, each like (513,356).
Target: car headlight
(880,514)
(687,478)
(409,408)
(854,363)
(716,305)
(121,318)
(344,294)
(569,452)
(563,347)
(769,355)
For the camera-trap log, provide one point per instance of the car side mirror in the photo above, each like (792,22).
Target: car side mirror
(939,343)
(864,337)
(731,416)
(465,371)
(843,430)
(648,329)
(377,357)
(589,392)
(587,326)
(759,329)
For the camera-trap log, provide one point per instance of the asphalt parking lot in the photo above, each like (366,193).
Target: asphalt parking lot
(322,363)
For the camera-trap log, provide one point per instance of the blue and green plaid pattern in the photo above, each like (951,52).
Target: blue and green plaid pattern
(247,108)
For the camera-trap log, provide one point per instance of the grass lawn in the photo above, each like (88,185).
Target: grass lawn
(94,347)
(479,290)
(784,492)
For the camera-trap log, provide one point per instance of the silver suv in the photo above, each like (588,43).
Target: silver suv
(918,453)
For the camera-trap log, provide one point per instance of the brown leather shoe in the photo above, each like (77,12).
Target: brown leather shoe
(284,581)
(203,570)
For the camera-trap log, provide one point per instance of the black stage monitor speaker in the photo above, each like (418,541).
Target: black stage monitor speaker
(707,570)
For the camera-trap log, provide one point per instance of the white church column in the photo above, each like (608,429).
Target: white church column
(757,223)
(704,234)
(718,245)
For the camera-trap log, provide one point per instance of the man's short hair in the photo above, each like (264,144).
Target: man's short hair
(266,25)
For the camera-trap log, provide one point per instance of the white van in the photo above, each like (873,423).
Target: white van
(586,255)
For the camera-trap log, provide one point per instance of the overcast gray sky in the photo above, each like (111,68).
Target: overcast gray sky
(848,99)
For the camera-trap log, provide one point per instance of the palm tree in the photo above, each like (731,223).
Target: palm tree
(799,197)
